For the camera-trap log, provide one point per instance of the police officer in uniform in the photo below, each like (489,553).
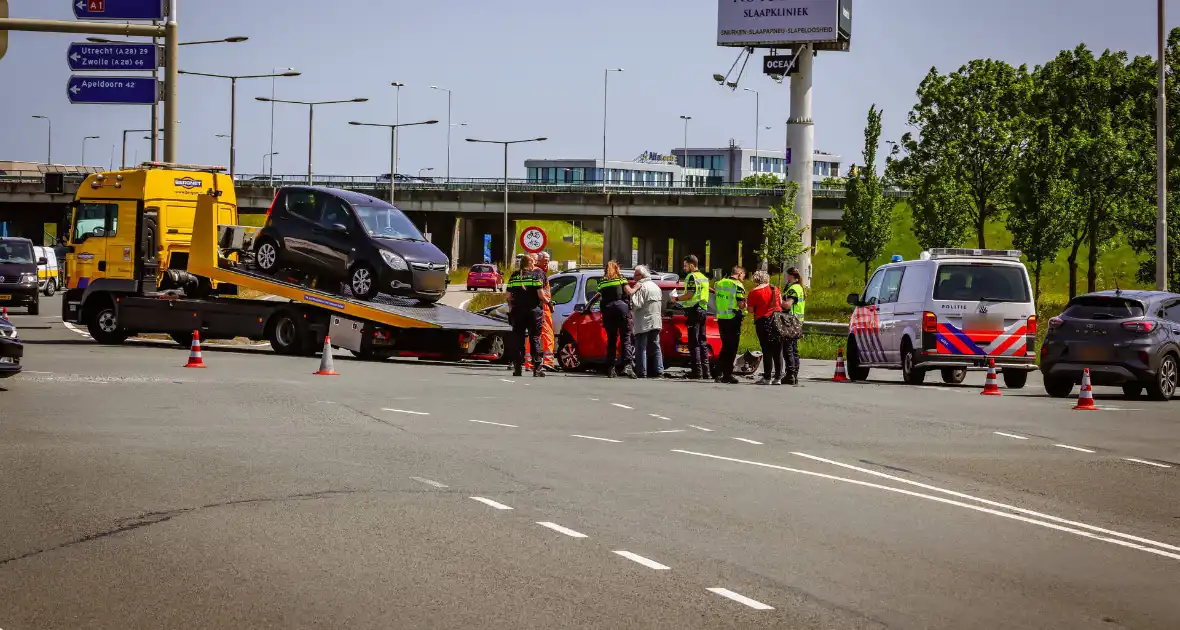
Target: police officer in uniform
(695,300)
(731,306)
(526,290)
(794,303)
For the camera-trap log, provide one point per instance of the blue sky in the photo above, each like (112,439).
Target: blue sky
(525,68)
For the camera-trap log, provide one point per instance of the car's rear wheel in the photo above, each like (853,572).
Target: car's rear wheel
(1163,387)
(184,340)
(266,255)
(567,355)
(1058,387)
(954,376)
(1016,379)
(50,287)
(855,371)
(910,373)
(497,348)
(362,281)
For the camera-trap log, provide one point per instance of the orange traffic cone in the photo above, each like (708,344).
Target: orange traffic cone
(194,353)
(4,313)
(326,367)
(841,376)
(1086,396)
(990,387)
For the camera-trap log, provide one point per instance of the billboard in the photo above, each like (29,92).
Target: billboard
(772,23)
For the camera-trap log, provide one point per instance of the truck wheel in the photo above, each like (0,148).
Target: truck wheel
(911,374)
(288,333)
(954,376)
(103,324)
(1015,379)
(184,340)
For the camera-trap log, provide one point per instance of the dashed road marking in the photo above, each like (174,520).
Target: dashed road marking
(563,530)
(651,564)
(658,416)
(739,598)
(412,413)
(507,380)
(495,504)
(1074,448)
(429,482)
(1157,549)
(621,406)
(591,437)
(748,441)
(1144,461)
(74,328)
(499,424)
(1011,435)
(655,432)
(701,428)
(594,399)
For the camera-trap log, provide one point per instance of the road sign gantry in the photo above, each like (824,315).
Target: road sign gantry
(120,9)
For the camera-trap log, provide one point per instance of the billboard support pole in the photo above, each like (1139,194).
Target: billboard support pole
(801,141)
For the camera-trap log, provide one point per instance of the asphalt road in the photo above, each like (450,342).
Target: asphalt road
(135,493)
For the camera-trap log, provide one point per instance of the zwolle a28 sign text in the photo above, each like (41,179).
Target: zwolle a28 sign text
(776,22)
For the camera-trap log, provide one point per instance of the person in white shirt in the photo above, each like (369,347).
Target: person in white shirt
(647,309)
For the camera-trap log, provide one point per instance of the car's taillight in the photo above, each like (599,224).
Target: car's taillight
(1032,325)
(929,322)
(1139,326)
(1055,323)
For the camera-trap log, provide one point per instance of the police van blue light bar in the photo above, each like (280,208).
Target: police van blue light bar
(955,252)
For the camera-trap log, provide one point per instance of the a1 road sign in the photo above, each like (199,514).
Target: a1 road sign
(113,90)
(533,239)
(130,56)
(119,9)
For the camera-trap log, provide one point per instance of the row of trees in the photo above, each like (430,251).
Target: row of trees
(1064,154)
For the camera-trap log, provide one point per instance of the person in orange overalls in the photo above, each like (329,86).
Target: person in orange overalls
(548,339)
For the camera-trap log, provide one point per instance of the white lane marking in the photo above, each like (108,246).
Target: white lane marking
(32,372)
(930,497)
(622,406)
(463,305)
(655,432)
(1144,461)
(507,380)
(651,564)
(499,424)
(495,504)
(594,399)
(563,530)
(429,482)
(76,329)
(1011,435)
(658,416)
(701,428)
(324,402)
(1074,448)
(961,495)
(748,441)
(590,437)
(739,598)
(413,413)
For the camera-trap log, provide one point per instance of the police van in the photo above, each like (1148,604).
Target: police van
(950,311)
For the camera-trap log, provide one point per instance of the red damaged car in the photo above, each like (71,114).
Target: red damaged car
(484,277)
(583,337)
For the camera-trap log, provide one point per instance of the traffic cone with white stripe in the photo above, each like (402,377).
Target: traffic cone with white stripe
(326,367)
(194,353)
(990,386)
(1086,395)
(4,313)
(841,376)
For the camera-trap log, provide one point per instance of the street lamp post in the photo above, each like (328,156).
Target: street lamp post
(1161,219)
(397,119)
(84,147)
(393,146)
(685,119)
(605,83)
(507,244)
(423,170)
(310,120)
(233,106)
(435,87)
(757,126)
(49,143)
(270,155)
(127,131)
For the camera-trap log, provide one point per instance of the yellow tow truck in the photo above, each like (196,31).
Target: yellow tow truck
(156,249)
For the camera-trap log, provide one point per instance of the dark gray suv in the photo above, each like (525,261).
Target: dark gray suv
(1126,338)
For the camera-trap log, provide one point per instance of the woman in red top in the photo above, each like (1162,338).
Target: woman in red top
(763,301)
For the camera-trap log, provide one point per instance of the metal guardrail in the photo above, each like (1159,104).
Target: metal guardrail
(826,329)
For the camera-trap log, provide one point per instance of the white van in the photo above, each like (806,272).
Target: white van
(48,275)
(952,310)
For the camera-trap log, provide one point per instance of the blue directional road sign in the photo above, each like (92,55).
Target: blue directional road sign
(113,90)
(130,56)
(119,9)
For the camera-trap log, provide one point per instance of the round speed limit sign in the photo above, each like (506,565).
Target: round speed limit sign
(533,239)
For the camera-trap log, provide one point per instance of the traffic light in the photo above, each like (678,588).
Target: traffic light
(3,34)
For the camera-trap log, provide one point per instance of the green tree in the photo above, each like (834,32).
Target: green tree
(868,216)
(761,180)
(1039,217)
(969,124)
(941,215)
(782,235)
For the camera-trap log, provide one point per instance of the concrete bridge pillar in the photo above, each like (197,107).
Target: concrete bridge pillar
(471,237)
(751,238)
(723,253)
(616,240)
(682,247)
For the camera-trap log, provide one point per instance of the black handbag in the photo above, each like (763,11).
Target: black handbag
(786,325)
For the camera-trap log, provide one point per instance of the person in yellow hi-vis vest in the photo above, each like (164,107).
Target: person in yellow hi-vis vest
(695,301)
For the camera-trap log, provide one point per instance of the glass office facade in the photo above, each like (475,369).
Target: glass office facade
(582,175)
